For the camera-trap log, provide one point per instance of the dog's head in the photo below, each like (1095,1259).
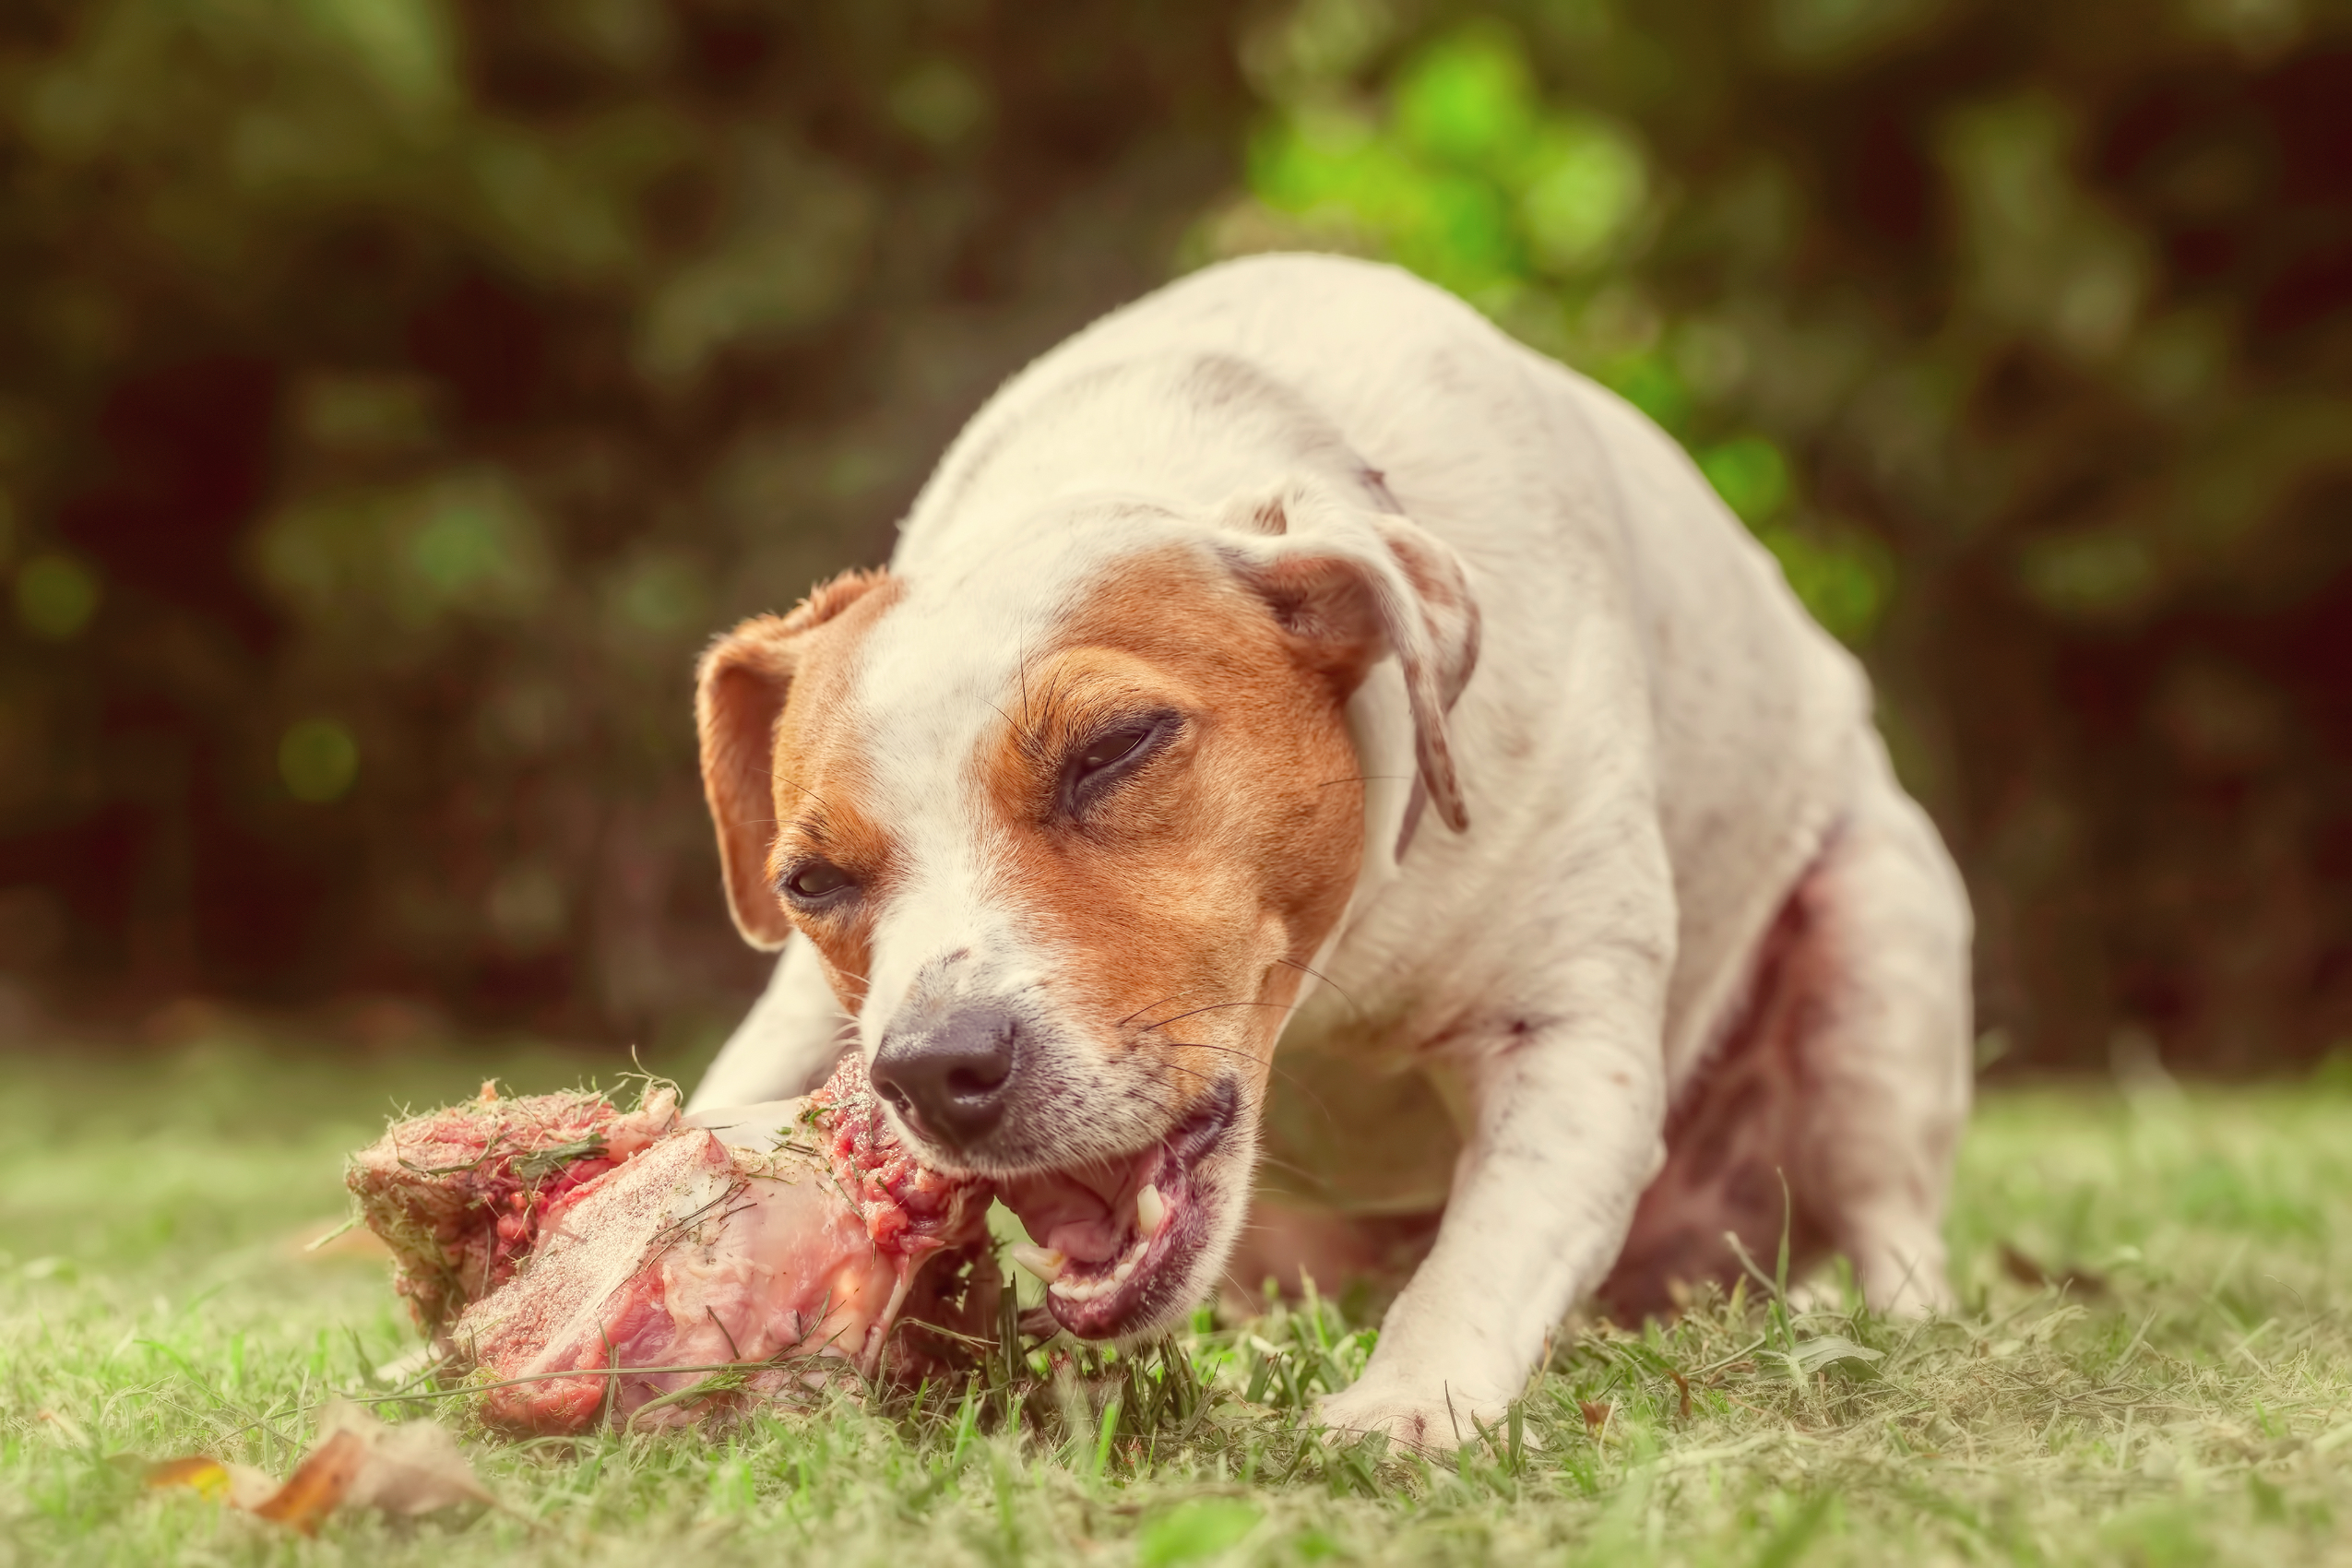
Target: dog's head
(1067,821)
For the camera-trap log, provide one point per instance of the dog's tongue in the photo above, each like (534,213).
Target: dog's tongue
(1063,1213)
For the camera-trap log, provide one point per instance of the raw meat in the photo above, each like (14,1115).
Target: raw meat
(460,1196)
(761,1251)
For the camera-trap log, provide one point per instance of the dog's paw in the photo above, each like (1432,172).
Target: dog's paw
(1427,1420)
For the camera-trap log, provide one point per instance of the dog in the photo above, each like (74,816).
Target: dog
(1292,659)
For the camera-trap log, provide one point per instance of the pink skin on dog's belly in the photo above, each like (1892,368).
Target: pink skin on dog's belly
(1733,1135)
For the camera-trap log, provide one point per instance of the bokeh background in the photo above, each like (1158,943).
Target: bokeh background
(395,394)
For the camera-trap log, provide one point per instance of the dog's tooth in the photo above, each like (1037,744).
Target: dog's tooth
(1043,1263)
(1150,1209)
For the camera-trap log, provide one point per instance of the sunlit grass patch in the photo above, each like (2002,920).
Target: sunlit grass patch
(2151,1367)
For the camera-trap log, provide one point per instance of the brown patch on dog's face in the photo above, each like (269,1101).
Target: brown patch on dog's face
(1072,846)
(1180,796)
(784,778)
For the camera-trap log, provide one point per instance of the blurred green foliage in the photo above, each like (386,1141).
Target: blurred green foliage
(55,596)
(1464,174)
(318,760)
(395,393)
(394,396)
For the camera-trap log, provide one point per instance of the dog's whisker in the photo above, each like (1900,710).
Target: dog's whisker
(776,778)
(1211,1007)
(1307,968)
(1175,1067)
(1145,1008)
(1243,1054)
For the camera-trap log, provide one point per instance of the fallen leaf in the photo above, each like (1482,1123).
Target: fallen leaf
(414,1468)
(1597,1413)
(240,1486)
(358,1462)
(318,1484)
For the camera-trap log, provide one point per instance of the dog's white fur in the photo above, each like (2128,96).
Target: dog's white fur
(1657,746)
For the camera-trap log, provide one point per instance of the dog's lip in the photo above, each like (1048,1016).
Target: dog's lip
(1113,1278)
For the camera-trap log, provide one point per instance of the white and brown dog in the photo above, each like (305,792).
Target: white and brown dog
(1292,659)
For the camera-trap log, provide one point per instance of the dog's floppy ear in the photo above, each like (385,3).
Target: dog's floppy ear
(1351,583)
(740,689)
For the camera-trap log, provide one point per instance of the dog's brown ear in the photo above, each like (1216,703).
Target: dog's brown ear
(740,689)
(1353,584)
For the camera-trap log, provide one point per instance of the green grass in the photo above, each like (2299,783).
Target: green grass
(2192,1404)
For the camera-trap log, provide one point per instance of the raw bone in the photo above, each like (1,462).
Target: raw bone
(798,1236)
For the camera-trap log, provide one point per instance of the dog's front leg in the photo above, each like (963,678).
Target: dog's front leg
(1567,1128)
(787,1044)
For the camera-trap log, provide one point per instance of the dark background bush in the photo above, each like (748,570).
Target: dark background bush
(394,396)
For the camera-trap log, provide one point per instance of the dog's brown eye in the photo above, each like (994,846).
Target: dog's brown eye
(817,879)
(1096,767)
(1110,748)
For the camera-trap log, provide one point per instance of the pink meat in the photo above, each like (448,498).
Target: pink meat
(900,1201)
(808,1246)
(460,1196)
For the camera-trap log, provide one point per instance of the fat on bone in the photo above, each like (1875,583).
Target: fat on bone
(782,1241)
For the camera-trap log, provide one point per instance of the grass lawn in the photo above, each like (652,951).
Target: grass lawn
(2188,1399)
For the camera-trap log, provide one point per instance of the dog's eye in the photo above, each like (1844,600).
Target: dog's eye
(1098,764)
(1101,753)
(815,880)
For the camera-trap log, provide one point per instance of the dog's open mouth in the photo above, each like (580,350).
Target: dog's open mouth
(1116,1244)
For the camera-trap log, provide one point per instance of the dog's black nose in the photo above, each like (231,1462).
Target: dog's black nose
(952,1079)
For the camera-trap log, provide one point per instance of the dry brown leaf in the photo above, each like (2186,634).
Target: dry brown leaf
(414,1468)
(358,1462)
(241,1486)
(318,1485)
